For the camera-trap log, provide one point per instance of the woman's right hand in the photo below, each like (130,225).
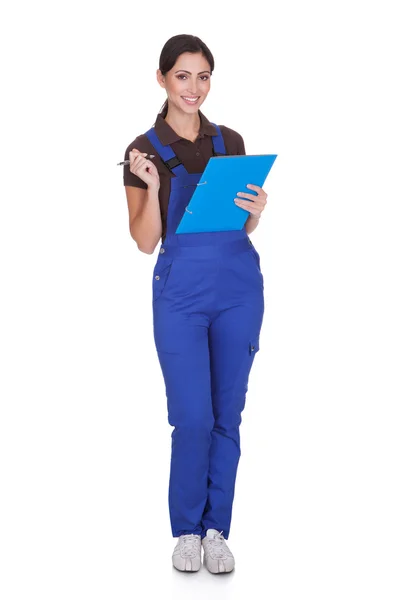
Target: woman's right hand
(139,165)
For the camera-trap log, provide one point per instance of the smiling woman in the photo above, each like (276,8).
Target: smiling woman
(186,87)
(208,304)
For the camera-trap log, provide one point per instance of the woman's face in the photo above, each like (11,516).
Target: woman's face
(188,78)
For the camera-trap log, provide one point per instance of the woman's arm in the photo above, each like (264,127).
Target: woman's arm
(251,223)
(144,217)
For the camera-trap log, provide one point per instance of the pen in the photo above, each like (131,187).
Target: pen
(127,162)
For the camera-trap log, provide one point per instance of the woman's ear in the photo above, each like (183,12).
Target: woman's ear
(160,78)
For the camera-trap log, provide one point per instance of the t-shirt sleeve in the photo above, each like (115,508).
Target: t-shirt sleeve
(240,145)
(129,177)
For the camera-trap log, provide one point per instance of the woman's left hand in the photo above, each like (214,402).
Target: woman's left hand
(257,204)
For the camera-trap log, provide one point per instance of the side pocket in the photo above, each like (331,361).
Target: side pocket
(254,346)
(256,257)
(243,373)
(161,273)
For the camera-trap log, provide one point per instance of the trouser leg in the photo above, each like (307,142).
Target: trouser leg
(233,342)
(183,353)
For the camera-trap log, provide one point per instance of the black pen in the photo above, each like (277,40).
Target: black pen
(127,162)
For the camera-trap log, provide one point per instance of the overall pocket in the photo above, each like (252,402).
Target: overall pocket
(161,275)
(256,257)
(254,346)
(243,373)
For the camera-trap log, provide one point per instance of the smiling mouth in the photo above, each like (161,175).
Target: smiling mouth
(190,99)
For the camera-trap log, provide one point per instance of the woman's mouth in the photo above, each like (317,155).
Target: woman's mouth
(192,100)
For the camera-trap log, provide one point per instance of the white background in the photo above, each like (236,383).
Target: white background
(85,442)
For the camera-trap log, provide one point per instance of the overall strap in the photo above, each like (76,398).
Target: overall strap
(166,153)
(169,157)
(218,142)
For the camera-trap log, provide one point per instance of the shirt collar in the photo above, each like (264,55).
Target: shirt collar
(167,135)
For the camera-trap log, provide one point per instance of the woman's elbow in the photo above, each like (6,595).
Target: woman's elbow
(143,245)
(146,249)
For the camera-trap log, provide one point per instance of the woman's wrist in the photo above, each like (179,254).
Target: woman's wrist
(153,187)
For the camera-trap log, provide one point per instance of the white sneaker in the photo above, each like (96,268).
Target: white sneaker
(187,553)
(217,556)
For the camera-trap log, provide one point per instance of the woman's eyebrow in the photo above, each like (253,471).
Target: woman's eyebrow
(183,70)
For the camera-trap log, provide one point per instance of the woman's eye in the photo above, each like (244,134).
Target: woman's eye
(203,77)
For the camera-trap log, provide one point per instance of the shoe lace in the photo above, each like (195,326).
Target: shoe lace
(189,545)
(217,546)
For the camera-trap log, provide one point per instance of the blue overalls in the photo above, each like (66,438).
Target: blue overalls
(208,306)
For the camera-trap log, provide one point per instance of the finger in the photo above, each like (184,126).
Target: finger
(135,163)
(137,156)
(259,198)
(136,151)
(242,203)
(244,195)
(254,207)
(141,164)
(137,160)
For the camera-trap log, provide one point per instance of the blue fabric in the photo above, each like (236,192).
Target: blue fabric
(208,306)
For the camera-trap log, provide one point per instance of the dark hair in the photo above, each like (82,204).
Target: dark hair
(176,46)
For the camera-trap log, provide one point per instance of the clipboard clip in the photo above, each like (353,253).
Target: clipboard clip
(203,183)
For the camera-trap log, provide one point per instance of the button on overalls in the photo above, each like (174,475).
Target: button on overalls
(208,306)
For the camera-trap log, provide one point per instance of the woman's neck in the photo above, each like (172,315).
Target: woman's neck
(185,125)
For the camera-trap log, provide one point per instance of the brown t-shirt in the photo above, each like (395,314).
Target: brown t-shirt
(194,155)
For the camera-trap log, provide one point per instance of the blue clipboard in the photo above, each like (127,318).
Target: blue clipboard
(212,206)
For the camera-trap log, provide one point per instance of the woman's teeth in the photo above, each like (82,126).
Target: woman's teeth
(191,100)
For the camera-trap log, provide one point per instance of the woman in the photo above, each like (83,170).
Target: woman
(208,303)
